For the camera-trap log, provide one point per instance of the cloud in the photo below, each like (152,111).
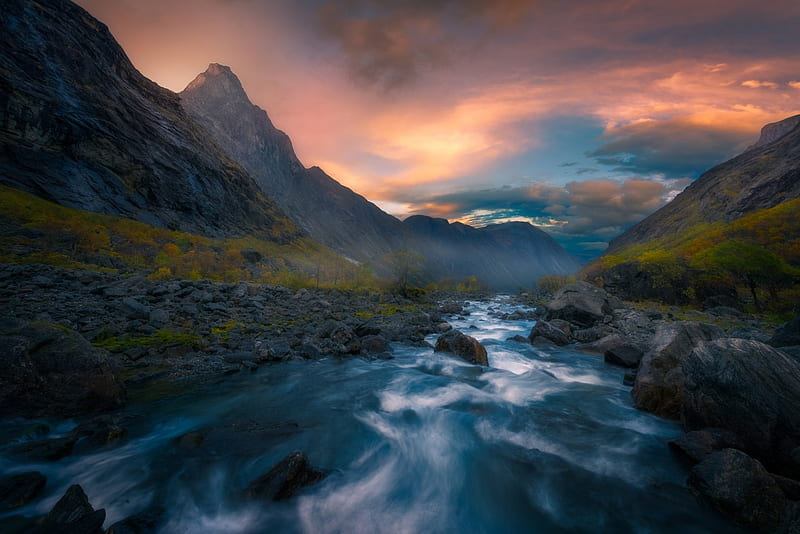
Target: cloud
(757,84)
(387,43)
(795,85)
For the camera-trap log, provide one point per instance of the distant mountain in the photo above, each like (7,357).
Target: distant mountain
(331,213)
(504,256)
(765,175)
(83,128)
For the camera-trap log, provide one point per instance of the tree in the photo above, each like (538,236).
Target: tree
(751,264)
(406,265)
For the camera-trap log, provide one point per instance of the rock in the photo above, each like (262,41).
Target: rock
(450,308)
(724,311)
(787,335)
(443,327)
(624,356)
(697,445)
(145,522)
(588,335)
(285,479)
(20,489)
(751,389)
(603,345)
(133,309)
(740,487)
(159,318)
(251,255)
(96,434)
(43,450)
(465,347)
(659,381)
(374,344)
(749,332)
(519,339)
(73,514)
(581,303)
(629,378)
(545,330)
(51,370)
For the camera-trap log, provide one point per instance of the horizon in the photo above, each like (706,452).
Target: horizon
(580,120)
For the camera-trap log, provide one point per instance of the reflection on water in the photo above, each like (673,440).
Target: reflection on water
(544,441)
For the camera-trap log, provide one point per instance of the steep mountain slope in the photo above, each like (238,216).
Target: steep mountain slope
(504,256)
(80,126)
(764,176)
(328,211)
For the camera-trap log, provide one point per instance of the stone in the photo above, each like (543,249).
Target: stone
(20,489)
(624,356)
(519,339)
(740,487)
(443,327)
(52,370)
(73,514)
(285,479)
(145,522)
(787,335)
(159,317)
(545,330)
(374,344)
(659,381)
(133,309)
(465,347)
(581,304)
(750,389)
(697,445)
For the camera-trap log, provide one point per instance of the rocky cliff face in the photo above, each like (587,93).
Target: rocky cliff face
(764,176)
(331,213)
(505,256)
(79,125)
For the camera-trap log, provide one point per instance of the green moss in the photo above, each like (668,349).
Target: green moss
(159,338)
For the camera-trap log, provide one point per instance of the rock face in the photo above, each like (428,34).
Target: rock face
(51,370)
(285,479)
(73,514)
(80,126)
(750,389)
(465,347)
(762,177)
(659,382)
(331,213)
(741,488)
(581,304)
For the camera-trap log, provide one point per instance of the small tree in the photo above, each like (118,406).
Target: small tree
(406,265)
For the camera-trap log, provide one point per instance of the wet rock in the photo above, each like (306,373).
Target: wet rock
(659,380)
(238,439)
(43,450)
(543,330)
(147,521)
(787,335)
(519,339)
(581,304)
(285,479)
(450,308)
(20,489)
(465,347)
(629,378)
(443,327)
(73,514)
(740,487)
(51,370)
(624,356)
(751,389)
(697,445)
(96,434)
(374,344)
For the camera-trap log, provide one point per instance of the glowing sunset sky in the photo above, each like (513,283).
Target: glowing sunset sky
(582,116)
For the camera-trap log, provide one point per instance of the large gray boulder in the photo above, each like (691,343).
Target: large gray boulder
(544,333)
(465,347)
(659,381)
(47,369)
(740,487)
(751,389)
(581,303)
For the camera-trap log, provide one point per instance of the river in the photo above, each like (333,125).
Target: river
(543,441)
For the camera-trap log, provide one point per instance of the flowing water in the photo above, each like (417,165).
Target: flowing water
(543,441)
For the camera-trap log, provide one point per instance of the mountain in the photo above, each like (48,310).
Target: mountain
(765,175)
(330,212)
(504,256)
(83,128)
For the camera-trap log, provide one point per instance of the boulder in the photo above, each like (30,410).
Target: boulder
(624,356)
(787,335)
(543,331)
(581,303)
(134,309)
(465,347)
(20,489)
(147,521)
(51,370)
(740,487)
(72,514)
(697,445)
(603,345)
(750,389)
(659,381)
(374,344)
(285,479)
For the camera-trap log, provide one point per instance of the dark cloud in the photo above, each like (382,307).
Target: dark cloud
(387,43)
(675,147)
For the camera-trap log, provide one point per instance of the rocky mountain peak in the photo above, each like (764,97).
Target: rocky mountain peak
(219,82)
(775,130)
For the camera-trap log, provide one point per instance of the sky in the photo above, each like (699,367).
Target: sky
(579,116)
